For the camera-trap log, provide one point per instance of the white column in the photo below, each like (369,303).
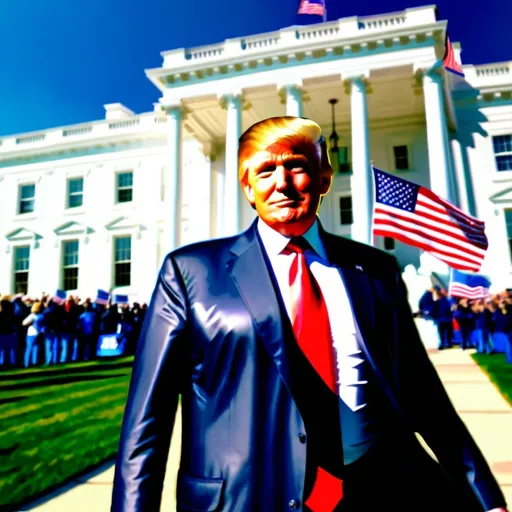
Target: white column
(292,97)
(232,189)
(362,180)
(173,189)
(460,176)
(207,194)
(437,135)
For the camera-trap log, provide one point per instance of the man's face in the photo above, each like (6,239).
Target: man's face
(284,184)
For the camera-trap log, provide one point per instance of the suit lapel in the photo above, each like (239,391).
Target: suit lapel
(252,277)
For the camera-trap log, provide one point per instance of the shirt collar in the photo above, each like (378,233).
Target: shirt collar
(275,242)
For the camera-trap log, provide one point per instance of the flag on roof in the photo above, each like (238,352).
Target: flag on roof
(416,216)
(470,286)
(449,62)
(312,7)
(60,297)
(102,297)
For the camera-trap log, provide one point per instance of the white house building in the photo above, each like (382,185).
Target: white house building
(98,205)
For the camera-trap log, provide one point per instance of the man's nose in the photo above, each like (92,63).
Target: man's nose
(281,175)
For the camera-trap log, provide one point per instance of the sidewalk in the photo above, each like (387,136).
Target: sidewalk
(485,412)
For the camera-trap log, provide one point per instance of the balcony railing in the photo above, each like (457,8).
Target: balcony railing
(83,132)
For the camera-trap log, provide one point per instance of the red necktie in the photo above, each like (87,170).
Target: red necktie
(311,326)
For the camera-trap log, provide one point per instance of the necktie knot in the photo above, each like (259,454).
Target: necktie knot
(298,245)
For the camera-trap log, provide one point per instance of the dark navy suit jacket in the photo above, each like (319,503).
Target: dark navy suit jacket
(214,333)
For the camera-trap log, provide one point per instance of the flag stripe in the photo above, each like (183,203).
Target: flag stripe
(452,215)
(449,62)
(431,231)
(428,244)
(312,7)
(416,216)
(406,239)
(460,290)
(436,199)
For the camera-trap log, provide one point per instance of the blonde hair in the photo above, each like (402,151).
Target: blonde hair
(263,134)
(36,308)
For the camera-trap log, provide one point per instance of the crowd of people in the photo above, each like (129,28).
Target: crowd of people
(49,331)
(484,324)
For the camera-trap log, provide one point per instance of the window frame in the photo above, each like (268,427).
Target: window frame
(119,189)
(21,200)
(72,266)
(117,283)
(69,193)
(15,271)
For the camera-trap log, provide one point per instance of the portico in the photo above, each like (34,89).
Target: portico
(385,71)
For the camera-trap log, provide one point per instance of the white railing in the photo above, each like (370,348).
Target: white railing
(298,36)
(489,75)
(96,129)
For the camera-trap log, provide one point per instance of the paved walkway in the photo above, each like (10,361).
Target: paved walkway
(485,412)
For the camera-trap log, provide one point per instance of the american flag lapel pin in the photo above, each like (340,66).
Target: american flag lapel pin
(358,267)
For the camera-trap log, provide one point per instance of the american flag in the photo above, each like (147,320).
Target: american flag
(416,216)
(102,297)
(469,286)
(449,62)
(59,297)
(312,7)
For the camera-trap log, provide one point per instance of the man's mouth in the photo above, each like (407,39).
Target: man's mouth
(287,202)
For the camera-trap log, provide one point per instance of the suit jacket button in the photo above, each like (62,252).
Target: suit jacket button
(294,504)
(302,438)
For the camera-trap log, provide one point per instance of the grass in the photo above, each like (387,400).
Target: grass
(57,423)
(498,371)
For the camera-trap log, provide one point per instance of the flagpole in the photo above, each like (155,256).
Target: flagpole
(324,17)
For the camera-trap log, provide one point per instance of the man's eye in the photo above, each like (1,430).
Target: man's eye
(297,166)
(266,170)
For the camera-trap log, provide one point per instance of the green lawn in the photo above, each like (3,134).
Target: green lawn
(57,423)
(499,372)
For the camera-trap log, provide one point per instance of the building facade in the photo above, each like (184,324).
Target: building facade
(98,205)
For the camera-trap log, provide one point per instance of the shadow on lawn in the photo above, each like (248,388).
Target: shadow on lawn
(51,371)
(61,380)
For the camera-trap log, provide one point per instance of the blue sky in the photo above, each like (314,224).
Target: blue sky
(62,60)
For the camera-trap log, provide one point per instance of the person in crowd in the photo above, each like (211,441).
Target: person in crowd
(442,315)
(502,327)
(463,315)
(35,335)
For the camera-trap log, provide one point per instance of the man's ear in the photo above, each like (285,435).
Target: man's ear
(248,192)
(325,183)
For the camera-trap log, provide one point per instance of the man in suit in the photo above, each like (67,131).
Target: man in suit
(301,374)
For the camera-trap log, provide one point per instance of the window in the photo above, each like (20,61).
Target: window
(27,198)
(75,192)
(389,244)
(345,210)
(344,164)
(508,221)
(503,152)
(401,158)
(70,265)
(122,261)
(124,187)
(21,268)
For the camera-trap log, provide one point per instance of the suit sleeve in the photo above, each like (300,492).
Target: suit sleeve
(152,398)
(432,414)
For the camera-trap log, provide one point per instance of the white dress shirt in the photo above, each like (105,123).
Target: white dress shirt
(348,354)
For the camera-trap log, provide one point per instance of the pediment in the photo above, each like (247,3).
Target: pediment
(504,196)
(22,235)
(123,223)
(72,228)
